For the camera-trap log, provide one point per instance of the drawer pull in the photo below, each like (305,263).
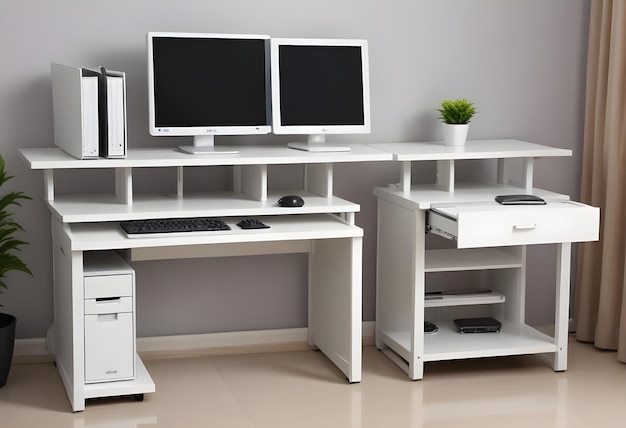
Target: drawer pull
(108,299)
(524,226)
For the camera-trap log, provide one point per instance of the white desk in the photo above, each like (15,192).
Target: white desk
(324,228)
(489,243)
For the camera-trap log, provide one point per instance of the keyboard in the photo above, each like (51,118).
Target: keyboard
(173,225)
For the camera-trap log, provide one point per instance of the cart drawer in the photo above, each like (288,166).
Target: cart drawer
(108,286)
(491,224)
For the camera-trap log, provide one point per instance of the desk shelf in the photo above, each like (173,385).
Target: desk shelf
(101,208)
(249,168)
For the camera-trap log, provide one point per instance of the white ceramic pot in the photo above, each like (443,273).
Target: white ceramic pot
(455,135)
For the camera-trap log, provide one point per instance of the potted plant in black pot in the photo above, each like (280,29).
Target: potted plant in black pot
(456,116)
(9,261)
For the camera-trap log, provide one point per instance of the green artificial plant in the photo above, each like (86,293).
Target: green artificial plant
(9,261)
(456,112)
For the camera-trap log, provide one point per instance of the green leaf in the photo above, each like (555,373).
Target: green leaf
(9,245)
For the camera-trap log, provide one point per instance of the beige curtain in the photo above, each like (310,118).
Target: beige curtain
(600,311)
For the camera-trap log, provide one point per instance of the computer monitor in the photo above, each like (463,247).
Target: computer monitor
(320,87)
(204,85)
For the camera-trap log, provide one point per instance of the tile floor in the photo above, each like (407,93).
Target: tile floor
(303,389)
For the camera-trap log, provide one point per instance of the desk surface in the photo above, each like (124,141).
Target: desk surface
(475,149)
(55,158)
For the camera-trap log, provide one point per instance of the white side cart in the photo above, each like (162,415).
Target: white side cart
(488,250)
(324,228)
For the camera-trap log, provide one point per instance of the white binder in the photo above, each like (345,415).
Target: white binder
(112,113)
(75,110)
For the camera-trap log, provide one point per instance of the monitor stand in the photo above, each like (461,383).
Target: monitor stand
(317,143)
(205,145)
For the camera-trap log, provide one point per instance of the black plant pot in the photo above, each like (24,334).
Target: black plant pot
(7,340)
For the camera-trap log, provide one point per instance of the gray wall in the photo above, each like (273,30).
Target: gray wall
(522,62)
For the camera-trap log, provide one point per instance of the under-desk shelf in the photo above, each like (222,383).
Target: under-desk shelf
(448,344)
(440,301)
(470,259)
(513,339)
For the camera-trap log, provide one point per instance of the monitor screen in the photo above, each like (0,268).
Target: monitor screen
(203,85)
(320,87)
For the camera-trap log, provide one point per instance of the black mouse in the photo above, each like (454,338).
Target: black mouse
(291,201)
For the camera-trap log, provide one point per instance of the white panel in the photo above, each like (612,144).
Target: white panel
(48,184)
(109,347)
(68,316)
(253,181)
(405,176)
(222,250)
(124,185)
(335,302)
(318,178)
(564,254)
(445,175)
(108,286)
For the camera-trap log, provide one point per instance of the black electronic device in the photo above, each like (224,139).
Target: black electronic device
(478,325)
(252,223)
(206,85)
(319,87)
(291,201)
(520,200)
(430,327)
(173,225)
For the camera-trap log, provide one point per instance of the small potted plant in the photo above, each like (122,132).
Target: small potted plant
(9,261)
(456,116)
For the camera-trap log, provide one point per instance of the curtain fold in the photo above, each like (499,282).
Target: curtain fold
(600,301)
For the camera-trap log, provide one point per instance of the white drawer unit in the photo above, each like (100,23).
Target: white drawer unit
(475,225)
(109,318)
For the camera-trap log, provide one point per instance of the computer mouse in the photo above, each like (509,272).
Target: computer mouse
(291,201)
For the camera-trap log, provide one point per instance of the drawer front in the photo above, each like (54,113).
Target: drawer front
(490,225)
(108,286)
(108,305)
(109,347)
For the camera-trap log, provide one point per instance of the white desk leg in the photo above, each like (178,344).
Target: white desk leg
(561,327)
(69,316)
(335,312)
(416,364)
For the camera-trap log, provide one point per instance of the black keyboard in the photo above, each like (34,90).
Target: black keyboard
(169,225)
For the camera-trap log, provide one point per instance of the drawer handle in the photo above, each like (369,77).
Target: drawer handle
(524,226)
(108,299)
